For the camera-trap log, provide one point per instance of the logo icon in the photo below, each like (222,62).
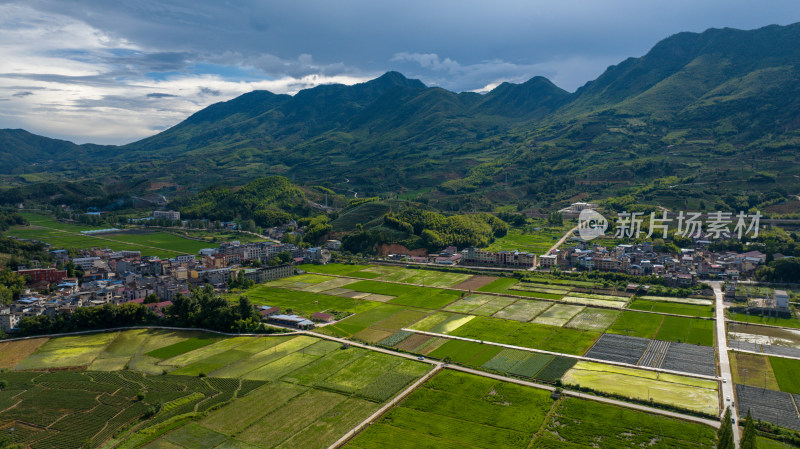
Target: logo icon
(591,224)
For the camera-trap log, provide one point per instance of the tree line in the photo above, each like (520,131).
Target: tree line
(201,309)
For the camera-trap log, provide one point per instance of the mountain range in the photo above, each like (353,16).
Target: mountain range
(719,108)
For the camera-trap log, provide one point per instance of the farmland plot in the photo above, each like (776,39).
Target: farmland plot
(618,348)
(523,310)
(66,352)
(469,303)
(558,314)
(680,391)
(753,370)
(456,410)
(593,424)
(493,306)
(11,353)
(673,308)
(593,319)
(774,407)
(71,409)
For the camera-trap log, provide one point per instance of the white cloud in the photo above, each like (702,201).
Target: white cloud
(428,61)
(115,71)
(64,78)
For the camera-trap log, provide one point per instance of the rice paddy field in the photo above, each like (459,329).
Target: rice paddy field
(456,410)
(68,235)
(786,374)
(690,393)
(377,323)
(86,409)
(530,335)
(579,424)
(315,389)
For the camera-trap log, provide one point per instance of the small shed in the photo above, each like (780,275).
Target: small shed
(323,317)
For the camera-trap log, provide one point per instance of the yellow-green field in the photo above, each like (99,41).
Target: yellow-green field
(681,391)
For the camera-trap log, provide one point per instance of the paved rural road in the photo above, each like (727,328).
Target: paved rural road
(724,362)
(561,354)
(374,417)
(563,239)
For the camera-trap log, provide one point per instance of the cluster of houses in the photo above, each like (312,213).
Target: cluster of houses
(448,256)
(680,270)
(117,277)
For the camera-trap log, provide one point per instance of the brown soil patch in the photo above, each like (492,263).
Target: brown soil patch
(369,335)
(412,342)
(378,298)
(13,352)
(475,282)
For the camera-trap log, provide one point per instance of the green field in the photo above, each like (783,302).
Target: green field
(470,303)
(67,352)
(409,295)
(315,389)
(559,314)
(428,278)
(530,240)
(499,286)
(687,330)
(68,235)
(510,286)
(766,443)
(337,269)
(85,409)
(541,278)
(636,324)
(786,373)
(465,352)
(524,310)
(581,424)
(456,410)
(592,318)
(761,319)
(530,335)
(665,327)
(303,303)
(315,394)
(680,391)
(672,308)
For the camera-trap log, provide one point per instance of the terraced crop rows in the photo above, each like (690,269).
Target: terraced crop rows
(771,406)
(639,351)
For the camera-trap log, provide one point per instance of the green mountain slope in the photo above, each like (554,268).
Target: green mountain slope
(719,108)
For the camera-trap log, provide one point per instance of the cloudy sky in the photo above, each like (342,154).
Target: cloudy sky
(114,71)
